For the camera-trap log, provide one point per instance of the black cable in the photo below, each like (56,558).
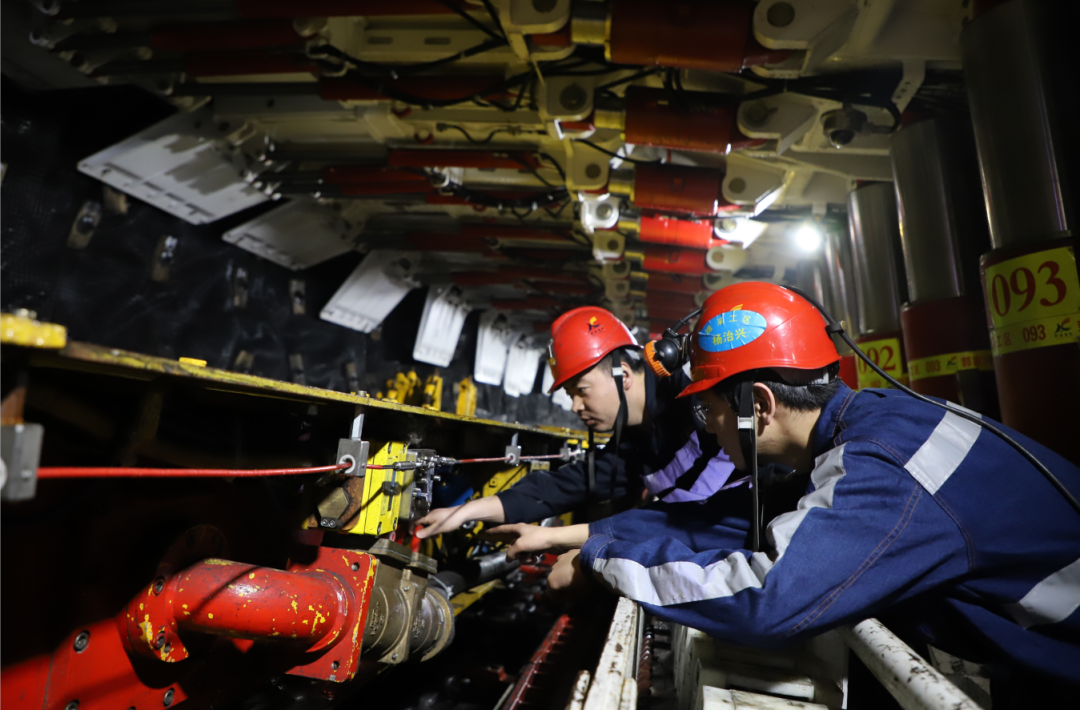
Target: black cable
(471,20)
(554,162)
(833,326)
(533,170)
(494,16)
(616,155)
(396,71)
(474,141)
(626,80)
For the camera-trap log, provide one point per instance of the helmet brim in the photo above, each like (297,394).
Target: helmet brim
(699,386)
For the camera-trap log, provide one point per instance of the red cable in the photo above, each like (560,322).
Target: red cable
(125,472)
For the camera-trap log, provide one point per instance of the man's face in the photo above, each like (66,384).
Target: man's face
(596,401)
(722,421)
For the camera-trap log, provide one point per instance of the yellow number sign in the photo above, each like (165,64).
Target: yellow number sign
(886,354)
(1034,301)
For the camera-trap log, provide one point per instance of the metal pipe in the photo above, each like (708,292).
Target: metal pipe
(1019,131)
(914,683)
(875,243)
(942,228)
(246,601)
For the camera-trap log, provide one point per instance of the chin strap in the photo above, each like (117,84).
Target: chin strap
(590,465)
(748,443)
(620,418)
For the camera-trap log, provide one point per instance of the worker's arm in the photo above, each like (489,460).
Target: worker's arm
(722,522)
(868,536)
(543,494)
(700,468)
(440,520)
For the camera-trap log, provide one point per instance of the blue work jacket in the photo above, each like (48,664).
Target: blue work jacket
(906,503)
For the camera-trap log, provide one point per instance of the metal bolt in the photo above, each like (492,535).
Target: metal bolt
(82,641)
(168,648)
(406,588)
(603,211)
(159,584)
(737,185)
(756,114)
(169,695)
(355,566)
(781,14)
(334,666)
(159,641)
(573,97)
(592,171)
(394,657)
(613,245)
(73,705)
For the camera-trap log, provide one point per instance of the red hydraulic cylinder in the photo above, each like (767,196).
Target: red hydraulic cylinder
(1032,294)
(678,232)
(654,118)
(675,261)
(948,352)
(711,35)
(679,188)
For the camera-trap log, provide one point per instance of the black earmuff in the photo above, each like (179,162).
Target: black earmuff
(668,354)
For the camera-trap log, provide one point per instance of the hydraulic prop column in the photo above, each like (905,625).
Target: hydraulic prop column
(1023,104)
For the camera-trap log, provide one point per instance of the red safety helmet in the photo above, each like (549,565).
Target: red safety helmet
(754,325)
(583,337)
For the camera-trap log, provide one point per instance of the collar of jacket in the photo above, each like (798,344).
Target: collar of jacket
(828,424)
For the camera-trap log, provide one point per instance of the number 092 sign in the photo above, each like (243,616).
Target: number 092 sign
(1033,300)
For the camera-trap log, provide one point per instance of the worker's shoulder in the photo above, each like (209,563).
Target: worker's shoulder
(890,418)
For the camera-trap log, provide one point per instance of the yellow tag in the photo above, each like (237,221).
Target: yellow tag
(950,363)
(885,353)
(193,361)
(1034,301)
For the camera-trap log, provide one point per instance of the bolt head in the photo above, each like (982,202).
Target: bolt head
(73,705)
(168,699)
(159,585)
(159,642)
(394,656)
(82,641)
(573,97)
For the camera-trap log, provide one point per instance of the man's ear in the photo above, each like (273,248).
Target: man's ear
(764,403)
(627,377)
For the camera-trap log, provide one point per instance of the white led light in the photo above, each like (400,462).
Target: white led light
(808,237)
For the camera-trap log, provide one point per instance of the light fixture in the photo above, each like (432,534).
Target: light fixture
(808,238)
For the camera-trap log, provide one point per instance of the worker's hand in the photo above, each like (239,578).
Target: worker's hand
(567,579)
(443,520)
(528,540)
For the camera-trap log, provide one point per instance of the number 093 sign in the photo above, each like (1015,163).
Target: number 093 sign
(1033,300)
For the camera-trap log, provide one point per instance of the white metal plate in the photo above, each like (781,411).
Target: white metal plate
(521,366)
(373,290)
(179,166)
(492,342)
(301,233)
(440,326)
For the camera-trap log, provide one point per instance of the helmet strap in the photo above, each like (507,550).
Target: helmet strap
(590,465)
(620,418)
(748,443)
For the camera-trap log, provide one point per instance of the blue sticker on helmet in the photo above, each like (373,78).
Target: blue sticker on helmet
(731,330)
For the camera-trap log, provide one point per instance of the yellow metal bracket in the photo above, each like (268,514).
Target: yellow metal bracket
(381,496)
(21,328)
